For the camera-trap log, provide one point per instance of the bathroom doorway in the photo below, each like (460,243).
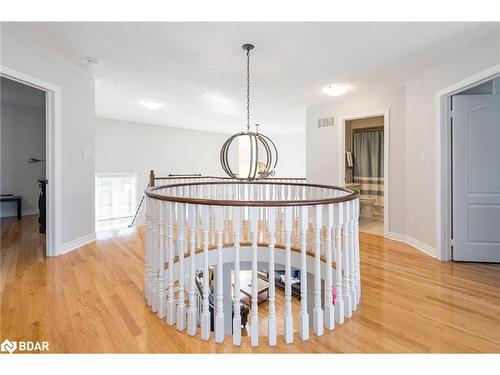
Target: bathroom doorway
(365,168)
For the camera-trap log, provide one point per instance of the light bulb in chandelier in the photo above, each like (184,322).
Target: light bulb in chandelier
(257,154)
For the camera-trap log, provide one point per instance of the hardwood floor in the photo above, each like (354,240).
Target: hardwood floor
(90,300)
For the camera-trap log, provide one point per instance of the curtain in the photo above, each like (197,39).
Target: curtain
(368,153)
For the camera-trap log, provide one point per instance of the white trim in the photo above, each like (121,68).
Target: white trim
(428,250)
(443,250)
(53,153)
(72,245)
(342,120)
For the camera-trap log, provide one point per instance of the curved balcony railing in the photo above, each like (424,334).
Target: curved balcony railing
(194,226)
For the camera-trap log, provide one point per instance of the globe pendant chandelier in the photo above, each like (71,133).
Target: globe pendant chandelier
(258,155)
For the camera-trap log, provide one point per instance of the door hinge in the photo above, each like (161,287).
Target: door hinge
(451,242)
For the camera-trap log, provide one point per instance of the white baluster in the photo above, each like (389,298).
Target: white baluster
(154,259)
(272,328)
(339,302)
(347,261)
(219,304)
(148,273)
(254,231)
(329,315)
(205,315)
(356,244)
(236,290)
(317,311)
(191,314)
(288,222)
(162,290)
(304,316)
(352,258)
(181,241)
(171,253)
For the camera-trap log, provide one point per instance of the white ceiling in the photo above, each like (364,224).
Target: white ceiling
(198,69)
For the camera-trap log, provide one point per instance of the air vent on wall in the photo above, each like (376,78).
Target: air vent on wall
(327,122)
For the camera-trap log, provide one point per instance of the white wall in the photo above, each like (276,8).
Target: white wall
(291,154)
(322,150)
(133,147)
(22,137)
(421,194)
(412,161)
(77,133)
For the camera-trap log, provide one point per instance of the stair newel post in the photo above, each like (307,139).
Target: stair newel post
(205,315)
(236,290)
(352,257)
(347,261)
(317,311)
(329,314)
(154,258)
(181,243)
(171,254)
(304,315)
(152,178)
(162,290)
(288,222)
(271,225)
(254,231)
(193,215)
(219,292)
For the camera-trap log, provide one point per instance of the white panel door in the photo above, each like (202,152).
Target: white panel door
(476,178)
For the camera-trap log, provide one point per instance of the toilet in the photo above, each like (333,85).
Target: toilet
(366,205)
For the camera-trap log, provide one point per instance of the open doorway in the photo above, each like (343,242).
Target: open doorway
(23,155)
(365,169)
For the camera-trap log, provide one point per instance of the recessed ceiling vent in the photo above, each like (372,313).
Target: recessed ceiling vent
(327,122)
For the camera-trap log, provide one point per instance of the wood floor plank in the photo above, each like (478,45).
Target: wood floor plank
(90,301)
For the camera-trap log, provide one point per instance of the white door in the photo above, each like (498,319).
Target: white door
(476,178)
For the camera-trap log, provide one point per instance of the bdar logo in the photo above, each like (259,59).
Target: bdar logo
(8,346)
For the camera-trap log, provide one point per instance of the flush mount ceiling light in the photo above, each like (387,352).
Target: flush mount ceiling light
(258,155)
(93,62)
(336,89)
(151,104)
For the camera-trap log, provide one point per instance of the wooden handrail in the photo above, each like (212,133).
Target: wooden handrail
(150,192)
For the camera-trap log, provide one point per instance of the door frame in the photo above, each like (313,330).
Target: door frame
(443,156)
(52,152)
(341,168)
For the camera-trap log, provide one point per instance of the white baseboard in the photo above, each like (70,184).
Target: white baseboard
(428,250)
(72,245)
(13,213)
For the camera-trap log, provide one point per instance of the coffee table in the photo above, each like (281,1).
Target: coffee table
(246,288)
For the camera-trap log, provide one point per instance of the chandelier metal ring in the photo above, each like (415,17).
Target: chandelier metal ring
(263,154)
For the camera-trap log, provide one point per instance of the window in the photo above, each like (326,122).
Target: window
(115,200)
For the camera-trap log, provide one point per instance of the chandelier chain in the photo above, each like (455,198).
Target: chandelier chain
(248,90)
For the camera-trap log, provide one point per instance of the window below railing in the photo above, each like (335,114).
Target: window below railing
(115,200)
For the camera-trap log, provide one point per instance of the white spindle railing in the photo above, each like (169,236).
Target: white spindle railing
(200,226)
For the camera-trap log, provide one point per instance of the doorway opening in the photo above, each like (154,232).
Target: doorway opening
(51,180)
(23,154)
(365,167)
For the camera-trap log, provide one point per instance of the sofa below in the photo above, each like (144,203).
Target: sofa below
(264,275)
